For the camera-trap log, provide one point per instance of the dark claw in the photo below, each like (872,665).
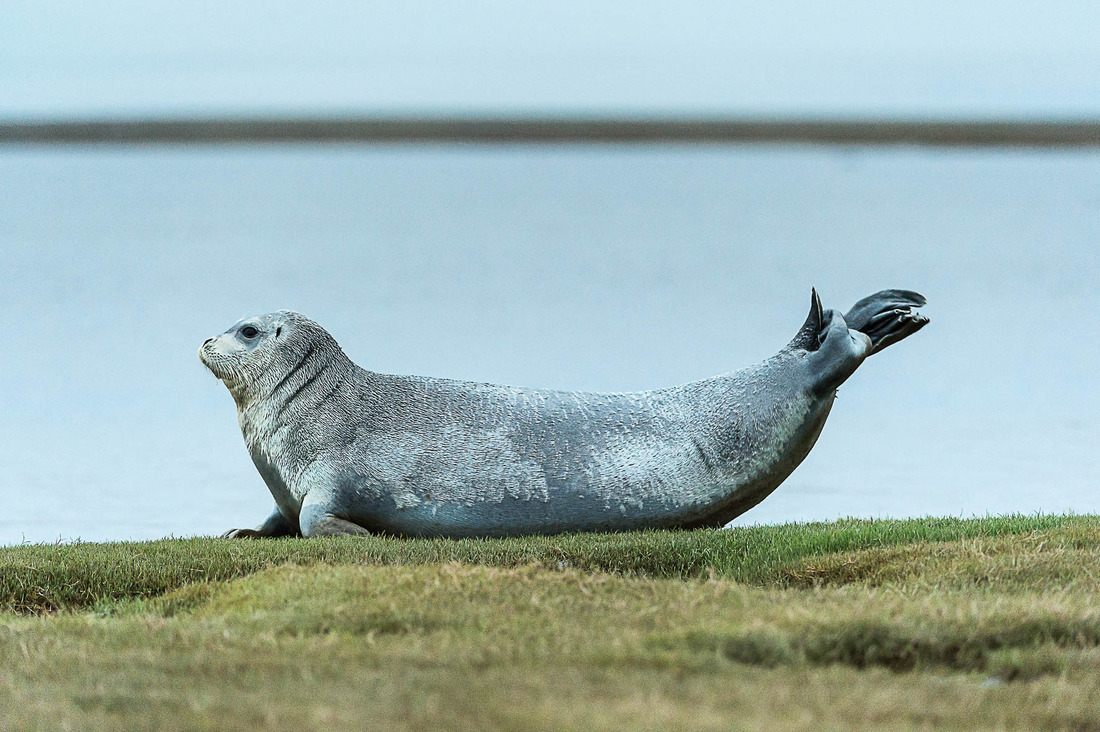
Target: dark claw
(241,534)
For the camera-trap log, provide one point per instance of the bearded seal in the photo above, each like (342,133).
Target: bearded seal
(344,450)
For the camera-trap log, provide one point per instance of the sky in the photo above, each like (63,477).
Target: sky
(962,58)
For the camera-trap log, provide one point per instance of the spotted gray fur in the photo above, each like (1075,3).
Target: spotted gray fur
(346,450)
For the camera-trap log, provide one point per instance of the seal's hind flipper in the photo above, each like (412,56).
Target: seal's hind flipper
(887,317)
(808,336)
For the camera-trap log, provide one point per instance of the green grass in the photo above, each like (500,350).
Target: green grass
(922,624)
(40,578)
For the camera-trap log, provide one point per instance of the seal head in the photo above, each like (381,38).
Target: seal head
(258,353)
(243,355)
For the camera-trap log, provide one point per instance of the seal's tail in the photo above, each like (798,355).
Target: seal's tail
(887,317)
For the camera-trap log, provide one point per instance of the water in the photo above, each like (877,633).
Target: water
(601,268)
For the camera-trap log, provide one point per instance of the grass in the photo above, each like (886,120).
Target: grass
(42,578)
(922,624)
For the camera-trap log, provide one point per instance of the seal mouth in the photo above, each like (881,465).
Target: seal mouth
(210,360)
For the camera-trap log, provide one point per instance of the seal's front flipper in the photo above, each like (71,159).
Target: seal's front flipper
(333,526)
(887,317)
(275,525)
(317,520)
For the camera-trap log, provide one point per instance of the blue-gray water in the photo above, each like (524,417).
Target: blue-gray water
(570,267)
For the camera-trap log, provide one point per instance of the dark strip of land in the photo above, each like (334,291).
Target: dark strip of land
(520,130)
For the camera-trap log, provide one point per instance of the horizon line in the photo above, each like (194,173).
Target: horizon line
(549,129)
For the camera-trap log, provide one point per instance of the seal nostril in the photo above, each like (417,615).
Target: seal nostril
(208,340)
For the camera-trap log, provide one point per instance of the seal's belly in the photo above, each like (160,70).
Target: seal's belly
(490,482)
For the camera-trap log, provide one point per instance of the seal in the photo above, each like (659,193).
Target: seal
(344,450)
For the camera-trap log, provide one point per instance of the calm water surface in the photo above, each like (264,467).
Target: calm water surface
(567,267)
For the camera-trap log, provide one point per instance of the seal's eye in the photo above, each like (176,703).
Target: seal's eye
(249,332)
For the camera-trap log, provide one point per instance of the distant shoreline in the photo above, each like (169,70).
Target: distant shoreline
(551,130)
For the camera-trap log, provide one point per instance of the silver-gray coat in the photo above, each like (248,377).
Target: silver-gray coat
(346,450)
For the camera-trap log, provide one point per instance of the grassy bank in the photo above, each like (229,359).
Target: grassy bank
(934,624)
